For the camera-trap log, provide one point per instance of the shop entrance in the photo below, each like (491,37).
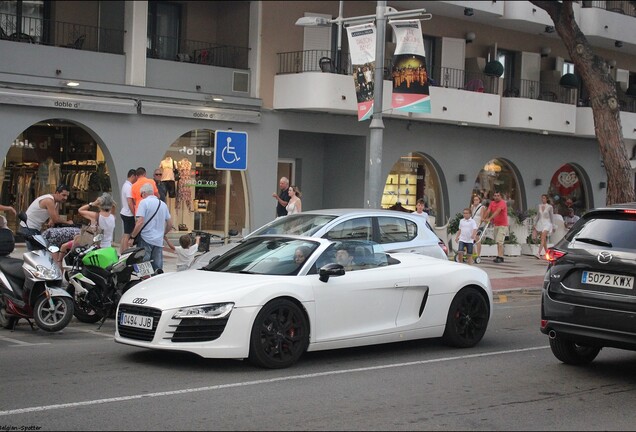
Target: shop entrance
(411,178)
(498,175)
(567,190)
(47,154)
(196,191)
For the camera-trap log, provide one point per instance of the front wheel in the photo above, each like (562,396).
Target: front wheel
(6,321)
(571,353)
(53,315)
(280,335)
(467,319)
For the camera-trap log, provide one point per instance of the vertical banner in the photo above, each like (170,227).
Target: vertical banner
(362,48)
(410,78)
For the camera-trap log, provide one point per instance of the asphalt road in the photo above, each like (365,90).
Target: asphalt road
(81,380)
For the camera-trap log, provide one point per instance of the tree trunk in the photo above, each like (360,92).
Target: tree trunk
(601,87)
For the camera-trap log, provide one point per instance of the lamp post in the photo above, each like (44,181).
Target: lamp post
(376,127)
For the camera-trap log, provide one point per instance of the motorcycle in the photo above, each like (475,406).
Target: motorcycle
(32,287)
(98,277)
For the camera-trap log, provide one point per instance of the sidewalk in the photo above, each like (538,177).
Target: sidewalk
(514,274)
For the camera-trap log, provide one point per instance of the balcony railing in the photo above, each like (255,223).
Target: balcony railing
(472,81)
(207,53)
(320,61)
(546,91)
(61,34)
(622,7)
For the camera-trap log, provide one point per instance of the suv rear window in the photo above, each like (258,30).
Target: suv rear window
(620,233)
(393,230)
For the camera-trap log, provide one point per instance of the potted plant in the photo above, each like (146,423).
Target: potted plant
(488,247)
(453,227)
(532,246)
(511,245)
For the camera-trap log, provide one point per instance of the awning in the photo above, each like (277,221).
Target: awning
(200,112)
(65,101)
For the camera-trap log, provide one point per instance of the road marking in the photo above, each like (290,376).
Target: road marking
(259,382)
(22,343)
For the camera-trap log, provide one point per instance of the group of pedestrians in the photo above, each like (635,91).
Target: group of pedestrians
(288,198)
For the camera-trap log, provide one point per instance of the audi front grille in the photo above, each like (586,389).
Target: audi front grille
(138,333)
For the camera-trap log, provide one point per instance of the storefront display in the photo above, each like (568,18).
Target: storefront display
(496,175)
(47,154)
(199,196)
(411,178)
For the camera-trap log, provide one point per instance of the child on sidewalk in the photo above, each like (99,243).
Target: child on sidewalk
(185,251)
(466,237)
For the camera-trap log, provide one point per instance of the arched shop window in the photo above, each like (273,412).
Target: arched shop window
(196,191)
(411,178)
(566,185)
(497,175)
(49,153)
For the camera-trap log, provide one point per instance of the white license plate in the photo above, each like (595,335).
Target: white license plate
(607,280)
(139,321)
(143,269)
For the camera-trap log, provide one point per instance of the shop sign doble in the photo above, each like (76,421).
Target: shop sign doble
(197,151)
(29,145)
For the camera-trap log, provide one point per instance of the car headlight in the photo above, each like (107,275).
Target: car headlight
(209,311)
(46,273)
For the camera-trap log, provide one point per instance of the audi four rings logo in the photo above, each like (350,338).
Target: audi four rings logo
(139,300)
(604,257)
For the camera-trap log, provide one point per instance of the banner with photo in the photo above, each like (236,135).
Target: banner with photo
(362,48)
(410,77)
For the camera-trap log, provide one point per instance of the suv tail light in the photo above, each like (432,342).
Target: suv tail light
(553,255)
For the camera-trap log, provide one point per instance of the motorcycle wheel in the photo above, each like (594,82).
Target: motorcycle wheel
(86,314)
(6,321)
(55,318)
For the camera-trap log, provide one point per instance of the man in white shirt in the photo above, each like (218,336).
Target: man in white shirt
(127,212)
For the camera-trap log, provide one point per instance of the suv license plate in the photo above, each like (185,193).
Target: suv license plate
(139,321)
(143,268)
(607,280)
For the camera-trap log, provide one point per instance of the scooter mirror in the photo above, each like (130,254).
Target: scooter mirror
(98,238)
(53,249)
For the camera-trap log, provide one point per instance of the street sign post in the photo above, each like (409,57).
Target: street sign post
(230,154)
(230,150)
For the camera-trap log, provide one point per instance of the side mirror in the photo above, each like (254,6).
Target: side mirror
(232,232)
(53,249)
(331,269)
(98,238)
(22,216)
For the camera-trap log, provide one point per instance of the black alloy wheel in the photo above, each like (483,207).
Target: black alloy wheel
(467,319)
(280,335)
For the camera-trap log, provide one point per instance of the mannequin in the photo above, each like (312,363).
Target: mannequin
(168,166)
(184,193)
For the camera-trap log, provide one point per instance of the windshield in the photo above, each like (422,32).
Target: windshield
(298,224)
(265,255)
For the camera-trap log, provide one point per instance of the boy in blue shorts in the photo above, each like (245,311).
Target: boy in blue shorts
(466,236)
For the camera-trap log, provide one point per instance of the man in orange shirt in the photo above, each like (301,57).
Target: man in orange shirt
(498,214)
(136,187)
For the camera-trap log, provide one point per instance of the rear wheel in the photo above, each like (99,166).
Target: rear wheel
(467,319)
(571,353)
(53,315)
(280,335)
(6,321)
(86,314)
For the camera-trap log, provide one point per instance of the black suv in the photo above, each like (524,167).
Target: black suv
(589,297)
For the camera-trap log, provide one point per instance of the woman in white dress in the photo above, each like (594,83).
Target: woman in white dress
(543,223)
(294,205)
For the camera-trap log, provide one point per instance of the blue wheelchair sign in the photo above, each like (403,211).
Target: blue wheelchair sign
(230,150)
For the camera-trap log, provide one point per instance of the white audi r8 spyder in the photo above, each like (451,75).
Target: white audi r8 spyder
(273,297)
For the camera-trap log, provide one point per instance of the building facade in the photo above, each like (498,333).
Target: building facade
(154,81)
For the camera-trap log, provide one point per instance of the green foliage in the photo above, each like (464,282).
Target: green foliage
(534,241)
(488,241)
(453,224)
(511,239)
